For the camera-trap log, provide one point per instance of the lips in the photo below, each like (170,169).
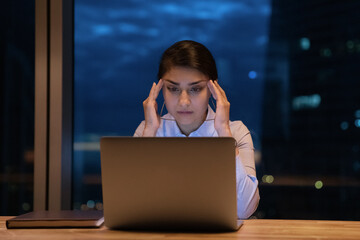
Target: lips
(185,112)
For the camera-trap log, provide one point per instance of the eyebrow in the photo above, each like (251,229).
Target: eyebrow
(190,84)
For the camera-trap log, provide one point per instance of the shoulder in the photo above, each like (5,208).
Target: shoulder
(238,127)
(241,134)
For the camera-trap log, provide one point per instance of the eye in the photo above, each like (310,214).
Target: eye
(173,89)
(195,89)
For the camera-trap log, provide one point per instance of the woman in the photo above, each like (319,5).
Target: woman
(188,77)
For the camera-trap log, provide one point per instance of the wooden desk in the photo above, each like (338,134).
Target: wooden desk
(252,229)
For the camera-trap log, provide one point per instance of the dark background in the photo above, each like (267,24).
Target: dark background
(289,68)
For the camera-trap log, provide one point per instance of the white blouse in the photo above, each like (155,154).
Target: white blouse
(246,181)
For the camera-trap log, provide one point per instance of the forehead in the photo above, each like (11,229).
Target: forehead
(184,75)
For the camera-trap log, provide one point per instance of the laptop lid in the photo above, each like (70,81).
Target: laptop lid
(169,183)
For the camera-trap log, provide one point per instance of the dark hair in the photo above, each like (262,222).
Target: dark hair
(191,54)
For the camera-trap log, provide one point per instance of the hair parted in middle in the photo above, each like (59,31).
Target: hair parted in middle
(190,54)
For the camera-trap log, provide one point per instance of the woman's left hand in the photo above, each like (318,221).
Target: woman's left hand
(222,109)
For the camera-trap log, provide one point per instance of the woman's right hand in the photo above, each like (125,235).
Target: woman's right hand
(152,118)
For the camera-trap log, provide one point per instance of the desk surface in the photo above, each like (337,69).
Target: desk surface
(252,229)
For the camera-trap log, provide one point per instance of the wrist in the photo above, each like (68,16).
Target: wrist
(224,131)
(148,132)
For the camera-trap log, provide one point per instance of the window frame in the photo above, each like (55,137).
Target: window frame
(53,104)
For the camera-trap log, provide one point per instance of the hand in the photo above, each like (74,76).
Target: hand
(222,109)
(152,118)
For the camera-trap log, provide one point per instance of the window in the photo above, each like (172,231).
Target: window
(17,107)
(289,69)
(118,46)
(310,143)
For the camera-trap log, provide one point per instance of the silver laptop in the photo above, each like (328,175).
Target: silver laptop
(169,183)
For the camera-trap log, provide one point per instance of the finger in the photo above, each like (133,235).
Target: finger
(212,89)
(220,89)
(152,91)
(219,95)
(156,107)
(158,89)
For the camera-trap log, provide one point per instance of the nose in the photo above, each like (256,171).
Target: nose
(184,99)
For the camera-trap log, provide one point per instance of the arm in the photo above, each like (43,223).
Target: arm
(152,118)
(246,182)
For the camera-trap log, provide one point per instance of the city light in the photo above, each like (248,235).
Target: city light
(305,43)
(350,44)
(303,102)
(90,204)
(357,123)
(252,74)
(267,179)
(99,206)
(26,206)
(86,146)
(344,125)
(357,113)
(326,52)
(263,179)
(318,184)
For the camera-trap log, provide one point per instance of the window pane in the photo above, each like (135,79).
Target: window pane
(310,143)
(17,106)
(289,69)
(118,45)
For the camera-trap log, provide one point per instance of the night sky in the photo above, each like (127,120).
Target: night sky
(118,45)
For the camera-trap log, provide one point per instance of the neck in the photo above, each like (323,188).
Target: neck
(187,129)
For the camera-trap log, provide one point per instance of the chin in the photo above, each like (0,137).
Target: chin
(184,121)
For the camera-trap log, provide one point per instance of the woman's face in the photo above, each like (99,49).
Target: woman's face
(186,97)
